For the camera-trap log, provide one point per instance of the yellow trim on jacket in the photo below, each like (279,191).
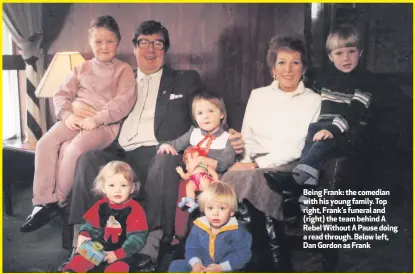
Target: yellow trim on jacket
(203,224)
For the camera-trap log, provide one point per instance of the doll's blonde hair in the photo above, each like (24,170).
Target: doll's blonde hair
(114,168)
(218,192)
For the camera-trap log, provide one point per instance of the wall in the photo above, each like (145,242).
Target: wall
(226,43)
(390,39)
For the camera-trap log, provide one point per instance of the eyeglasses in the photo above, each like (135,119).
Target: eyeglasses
(144,43)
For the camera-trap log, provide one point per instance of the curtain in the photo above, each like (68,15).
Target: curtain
(11,109)
(25,23)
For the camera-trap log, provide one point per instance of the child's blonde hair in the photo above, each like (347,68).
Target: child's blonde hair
(218,192)
(214,99)
(343,36)
(114,168)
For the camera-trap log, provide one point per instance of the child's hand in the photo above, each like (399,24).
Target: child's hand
(213,268)
(166,148)
(110,258)
(72,122)
(322,135)
(81,240)
(82,109)
(198,267)
(88,124)
(179,170)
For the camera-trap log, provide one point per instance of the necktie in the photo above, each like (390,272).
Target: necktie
(140,103)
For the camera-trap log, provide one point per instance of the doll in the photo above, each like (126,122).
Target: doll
(197,179)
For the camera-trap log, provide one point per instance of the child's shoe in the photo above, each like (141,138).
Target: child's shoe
(183,202)
(192,205)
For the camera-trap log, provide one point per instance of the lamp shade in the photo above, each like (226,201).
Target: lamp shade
(60,67)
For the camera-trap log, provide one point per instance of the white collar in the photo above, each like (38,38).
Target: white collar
(154,76)
(300,89)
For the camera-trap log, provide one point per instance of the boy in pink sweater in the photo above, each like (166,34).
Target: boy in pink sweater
(106,84)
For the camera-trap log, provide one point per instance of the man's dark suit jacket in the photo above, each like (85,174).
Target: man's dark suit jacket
(173,116)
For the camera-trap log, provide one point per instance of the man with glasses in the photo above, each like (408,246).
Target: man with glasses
(161,113)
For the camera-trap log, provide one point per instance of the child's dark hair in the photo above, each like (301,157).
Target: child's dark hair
(152,27)
(215,99)
(342,36)
(278,43)
(107,22)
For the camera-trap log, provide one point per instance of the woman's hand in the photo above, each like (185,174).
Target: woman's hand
(110,258)
(72,122)
(82,110)
(322,135)
(237,141)
(242,166)
(88,124)
(81,240)
(166,148)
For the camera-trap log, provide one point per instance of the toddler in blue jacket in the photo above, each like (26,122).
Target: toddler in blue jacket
(217,242)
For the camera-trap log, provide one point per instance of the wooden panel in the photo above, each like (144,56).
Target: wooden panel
(226,43)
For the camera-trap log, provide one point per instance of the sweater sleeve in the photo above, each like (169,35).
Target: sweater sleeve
(92,215)
(182,142)
(92,228)
(90,231)
(241,251)
(359,106)
(247,133)
(137,231)
(226,158)
(121,105)
(66,94)
(193,247)
(290,150)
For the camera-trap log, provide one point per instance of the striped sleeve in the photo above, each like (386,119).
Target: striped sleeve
(363,97)
(358,109)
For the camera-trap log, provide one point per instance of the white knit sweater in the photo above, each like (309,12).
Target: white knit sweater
(276,124)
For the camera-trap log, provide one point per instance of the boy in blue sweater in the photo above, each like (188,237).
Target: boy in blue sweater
(217,242)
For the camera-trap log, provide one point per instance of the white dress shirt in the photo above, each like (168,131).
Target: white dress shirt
(139,131)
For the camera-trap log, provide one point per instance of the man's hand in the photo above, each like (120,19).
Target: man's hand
(198,267)
(213,268)
(88,124)
(166,148)
(72,122)
(322,135)
(237,141)
(242,166)
(81,240)
(82,110)
(110,258)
